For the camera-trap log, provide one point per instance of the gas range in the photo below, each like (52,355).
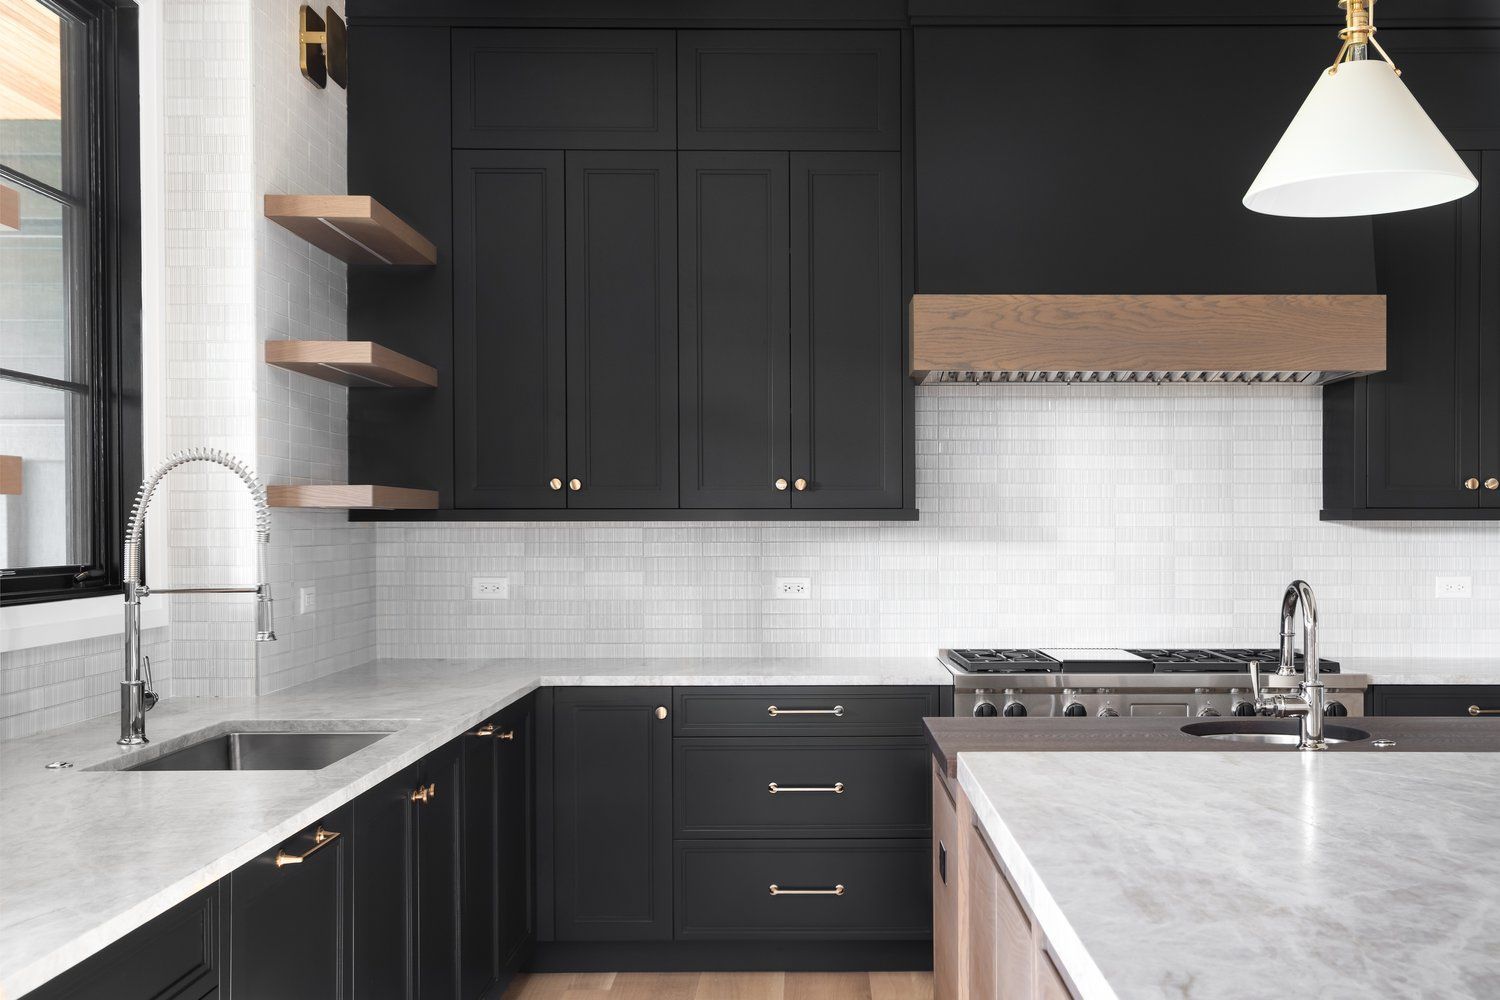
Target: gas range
(1115,683)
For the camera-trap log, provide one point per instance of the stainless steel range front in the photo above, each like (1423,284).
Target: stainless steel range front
(1131,683)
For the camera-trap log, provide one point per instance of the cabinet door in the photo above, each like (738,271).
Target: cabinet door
(382,872)
(286,926)
(516,813)
(1424,410)
(736,379)
(848,377)
(438,874)
(612,762)
(622,329)
(1489,335)
(480,886)
(510,403)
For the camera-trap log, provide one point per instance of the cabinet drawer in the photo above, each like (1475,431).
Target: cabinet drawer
(1437,700)
(804,711)
(724,889)
(824,788)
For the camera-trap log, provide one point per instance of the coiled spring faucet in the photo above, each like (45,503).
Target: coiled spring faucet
(135,699)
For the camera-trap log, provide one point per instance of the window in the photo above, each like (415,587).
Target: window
(69,294)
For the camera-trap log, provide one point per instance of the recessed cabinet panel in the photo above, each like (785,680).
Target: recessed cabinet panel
(510,411)
(439,871)
(1454,75)
(383,872)
(736,379)
(622,329)
(847,381)
(563,89)
(1488,471)
(789,89)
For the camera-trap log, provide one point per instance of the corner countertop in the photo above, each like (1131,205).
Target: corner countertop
(1423,669)
(1225,875)
(91,855)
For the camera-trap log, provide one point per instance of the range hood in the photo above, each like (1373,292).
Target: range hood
(1146,339)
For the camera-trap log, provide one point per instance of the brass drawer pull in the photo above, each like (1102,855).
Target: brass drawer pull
(321,839)
(837,788)
(425,794)
(777,890)
(773,711)
(1476,710)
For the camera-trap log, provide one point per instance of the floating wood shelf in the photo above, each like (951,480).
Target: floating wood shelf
(353,227)
(10,209)
(351,362)
(340,496)
(10,475)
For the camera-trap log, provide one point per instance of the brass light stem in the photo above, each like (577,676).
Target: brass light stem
(1358,34)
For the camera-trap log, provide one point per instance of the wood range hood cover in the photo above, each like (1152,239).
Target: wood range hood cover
(1252,339)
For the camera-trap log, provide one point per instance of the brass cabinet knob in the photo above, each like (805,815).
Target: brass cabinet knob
(1492,483)
(661,711)
(487,729)
(781,484)
(574,485)
(556,484)
(425,794)
(1471,484)
(800,485)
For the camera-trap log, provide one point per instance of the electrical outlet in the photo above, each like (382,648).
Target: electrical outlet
(490,588)
(793,588)
(1453,586)
(307,600)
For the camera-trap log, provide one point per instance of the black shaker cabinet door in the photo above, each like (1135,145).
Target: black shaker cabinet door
(510,404)
(516,749)
(438,874)
(612,765)
(479,887)
(847,379)
(736,377)
(1424,409)
(533,88)
(1489,335)
(622,329)
(382,871)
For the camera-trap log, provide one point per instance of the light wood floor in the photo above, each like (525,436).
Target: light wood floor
(723,986)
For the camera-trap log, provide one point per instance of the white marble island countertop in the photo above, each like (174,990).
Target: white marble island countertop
(1222,875)
(91,854)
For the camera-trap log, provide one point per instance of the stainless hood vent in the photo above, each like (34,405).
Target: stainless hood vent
(1146,339)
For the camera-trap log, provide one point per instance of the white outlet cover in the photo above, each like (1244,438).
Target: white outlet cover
(490,588)
(307,600)
(1454,586)
(792,588)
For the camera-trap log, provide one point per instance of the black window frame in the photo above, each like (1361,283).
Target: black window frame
(112,208)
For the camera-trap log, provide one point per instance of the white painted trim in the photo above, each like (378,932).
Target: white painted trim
(27,625)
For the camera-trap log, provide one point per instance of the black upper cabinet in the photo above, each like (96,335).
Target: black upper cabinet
(1453,74)
(789,90)
(612,773)
(734,310)
(1114,160)
(847,380)
(510,407)
(534,88)
(1489,337)
(622,329)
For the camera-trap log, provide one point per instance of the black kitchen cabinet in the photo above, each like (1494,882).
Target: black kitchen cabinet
(287,918)
(383,872)
(1478,701)
(515,749)
(438,802)
(612,793)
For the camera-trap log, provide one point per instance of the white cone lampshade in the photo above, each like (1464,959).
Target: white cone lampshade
(1360,145)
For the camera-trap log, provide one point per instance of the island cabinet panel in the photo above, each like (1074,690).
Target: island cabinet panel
(612,788)
(287,925)
(537,88)
(948,900)
(511,374)
(789,89)
(174,957)
(1477,701)
(383,872)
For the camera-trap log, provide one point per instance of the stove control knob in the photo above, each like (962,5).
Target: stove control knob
(1244,708)
(1335,708)
(1208,712)
(985,710)
(1108,713)
(1075,711)
(1014,709)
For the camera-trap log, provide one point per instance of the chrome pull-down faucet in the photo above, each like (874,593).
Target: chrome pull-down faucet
(135,700)
(1310,700)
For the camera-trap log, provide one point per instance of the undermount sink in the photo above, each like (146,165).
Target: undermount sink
(1279,731)
(252,751)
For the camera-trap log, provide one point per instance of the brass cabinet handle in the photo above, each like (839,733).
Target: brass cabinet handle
(487,729)
(837,788)
(1471,484)
(1476,710)
(321,839)
(773,711)
(661,712)
(425,794)
(1492,483)
(777,890)
(781,484)
(555,483)
(800,485)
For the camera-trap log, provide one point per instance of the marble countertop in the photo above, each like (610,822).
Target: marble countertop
(1222,875)
(1423,670)
(93,853)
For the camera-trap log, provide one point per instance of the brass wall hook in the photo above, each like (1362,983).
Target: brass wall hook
(322,46)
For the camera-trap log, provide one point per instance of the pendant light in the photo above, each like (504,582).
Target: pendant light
(1361,144)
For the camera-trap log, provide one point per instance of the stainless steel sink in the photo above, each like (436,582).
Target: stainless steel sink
(249,751)
(1279,731)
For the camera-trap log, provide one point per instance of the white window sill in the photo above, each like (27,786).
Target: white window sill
(29,625)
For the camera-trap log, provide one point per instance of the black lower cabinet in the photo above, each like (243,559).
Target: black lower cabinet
(287,918)
(1479,701)
(439,876)
(515,822)
(383,872)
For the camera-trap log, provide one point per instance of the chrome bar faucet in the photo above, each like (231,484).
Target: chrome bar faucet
(135,699)
(1309,700)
